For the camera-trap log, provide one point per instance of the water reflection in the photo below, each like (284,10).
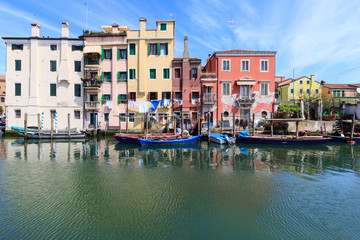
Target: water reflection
(308,160)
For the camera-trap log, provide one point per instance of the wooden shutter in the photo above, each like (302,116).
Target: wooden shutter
(102,54)
(102,76)
(158,49)
(166,48)
(119,98)
(126,53)
(110,76)
(118,53)
(118,76)
(149,49)
(110,53)
(103,99)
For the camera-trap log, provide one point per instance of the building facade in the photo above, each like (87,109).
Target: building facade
(302,87)
(186,87)
(105,77)
(44,77)
(150,54)
(2,93)
(240,82)
(349,93)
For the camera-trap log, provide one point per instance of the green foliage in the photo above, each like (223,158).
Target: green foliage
(289,110)
(1,110)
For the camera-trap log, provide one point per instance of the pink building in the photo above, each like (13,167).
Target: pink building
(105,81)
(240,82)
(186,87)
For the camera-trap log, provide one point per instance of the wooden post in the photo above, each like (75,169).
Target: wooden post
(233,125)
(146,125)
(208,127)
(272,124)
(253,123)
(352,128)
(182,124)
(52,126)
(119,123)
(199,124)
(222,122)
(325,129)
(297,129)
(25,126)
(69,131)
(39,125)
(174,124)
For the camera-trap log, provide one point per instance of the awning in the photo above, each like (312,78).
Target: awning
(92,49)
(245,82)
(208,84)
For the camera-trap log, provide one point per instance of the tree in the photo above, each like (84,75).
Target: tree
(289,110)
(1,110)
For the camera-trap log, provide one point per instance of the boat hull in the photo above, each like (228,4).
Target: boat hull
(220,138)
(285,141)
(175,141)
(344,139)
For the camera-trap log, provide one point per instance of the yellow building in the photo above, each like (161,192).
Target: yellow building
(302,87)
(150,53)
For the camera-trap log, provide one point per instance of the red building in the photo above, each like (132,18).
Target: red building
(240,82)
(186,87)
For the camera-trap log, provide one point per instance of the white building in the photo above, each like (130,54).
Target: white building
(43,75)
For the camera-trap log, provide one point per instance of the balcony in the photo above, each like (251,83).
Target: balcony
(92,63)
(92,105)
(91,84)
(209,98)
(244,100)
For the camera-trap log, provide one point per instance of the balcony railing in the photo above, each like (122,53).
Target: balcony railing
(245,99)
(209,98)
(91,61)
(91,83)
(92,105)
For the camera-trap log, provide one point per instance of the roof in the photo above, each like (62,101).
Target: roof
(40,38)
(191,59)
(290,80)
(244,52)
(2,77)
(342,86)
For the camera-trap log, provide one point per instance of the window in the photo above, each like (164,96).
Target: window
(106,54)
(317,91)
(77,47)
(163,49)
(77,66)
(300,91)
(77,114)
(132,96)
(122,53)
(177,72)
(244,91)
(162,117)
(105,98)
(194,116)
(166,73)
(77,90)
(152,49)
(226,89)
(225,65)
(163,26)
(153,96)
(178,96)
(343,93)
(122,76)
(132,48)
(166,95)
(336,93)
(195,95)
(106,77)
(106,117)
(17,89)
(152,73)
(264,88)
(17,46)
(52,65)
(194,73)
(52,90)
(131,117)
(52,113)
(301,82)
(53,47)
(245,65)
(291,90)
(17,65)
(307,82)
(2,99)
(122,98)
(122,117)
(18,113)
(264,114)
(132,74)
(307,90)
(264,65)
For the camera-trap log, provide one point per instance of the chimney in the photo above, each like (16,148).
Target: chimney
(115,28)
(142,26)
(65,30)
(35,30)
(186,50)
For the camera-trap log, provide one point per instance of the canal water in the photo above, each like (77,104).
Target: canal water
(103,190)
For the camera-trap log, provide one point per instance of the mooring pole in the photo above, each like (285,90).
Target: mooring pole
(222,121)
(199,124)
(182,124)
(297,129)
(39,125)
(233,124)
(52,126)
(146,125)
(253,125)
(352,127)
(272,124)
(208,127)
(119,123)
(69,131)
(25,126)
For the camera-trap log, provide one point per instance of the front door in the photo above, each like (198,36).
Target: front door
(93,117)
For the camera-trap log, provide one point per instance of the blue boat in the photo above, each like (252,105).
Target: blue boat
(169,147)
(221,138)
(285,140)
(344,139)
(175,141)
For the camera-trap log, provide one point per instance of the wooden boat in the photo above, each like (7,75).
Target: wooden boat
(135,138)
(34,134)
(285,140)
(221,138)
(192,146)
(344,139)
(171,141)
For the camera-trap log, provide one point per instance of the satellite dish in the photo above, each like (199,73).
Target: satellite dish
(358,90)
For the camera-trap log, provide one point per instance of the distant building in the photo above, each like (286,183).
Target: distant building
(302,87)
(43,75)
(240,82)
(186,87)
(105,78)
(341,92)
(2,92)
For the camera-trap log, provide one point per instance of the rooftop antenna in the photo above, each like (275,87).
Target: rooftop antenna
(86,14)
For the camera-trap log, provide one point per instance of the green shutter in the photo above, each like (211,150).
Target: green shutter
(119,98)
(118,76)
(102,54)
(126,75)
(102,77)
(126,53)
(103,99)
(158,49)
(110,76)
(149,49)
(166,48)
(110,53)
(132,49)
(118,53)
(166,73)
(12,46)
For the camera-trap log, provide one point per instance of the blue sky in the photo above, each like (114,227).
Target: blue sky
(319,37)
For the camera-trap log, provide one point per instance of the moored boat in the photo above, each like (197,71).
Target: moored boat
(344,139)
(135,138)
(170,141)
(285,140)
(221,138)
(34,134)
